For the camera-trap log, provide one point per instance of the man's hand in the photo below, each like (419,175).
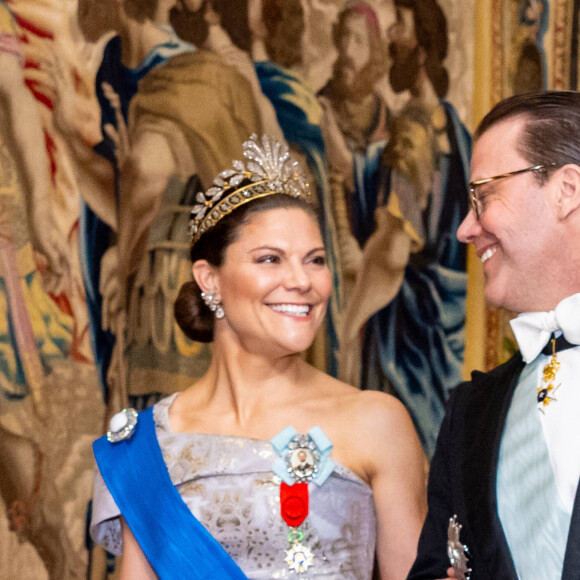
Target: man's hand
(450,574)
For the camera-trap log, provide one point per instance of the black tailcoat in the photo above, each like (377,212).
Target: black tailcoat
(462,482)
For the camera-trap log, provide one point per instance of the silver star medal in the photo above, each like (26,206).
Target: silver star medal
(298,556)
(456,551)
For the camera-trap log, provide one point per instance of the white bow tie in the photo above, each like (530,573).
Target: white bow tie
(533,329)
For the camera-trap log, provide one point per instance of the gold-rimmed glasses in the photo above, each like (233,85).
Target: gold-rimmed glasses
(473,185)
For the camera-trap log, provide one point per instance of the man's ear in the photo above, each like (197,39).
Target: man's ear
(205,275)
(568,192)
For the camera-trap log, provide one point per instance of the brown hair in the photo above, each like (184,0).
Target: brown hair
(551,132)
(191,313)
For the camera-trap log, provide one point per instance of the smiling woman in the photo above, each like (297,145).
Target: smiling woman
(274,283)
(265,467)
(195,316)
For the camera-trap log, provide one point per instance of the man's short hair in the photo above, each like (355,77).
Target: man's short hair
(551,132)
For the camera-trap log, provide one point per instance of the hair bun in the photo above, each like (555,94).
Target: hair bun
(192,315)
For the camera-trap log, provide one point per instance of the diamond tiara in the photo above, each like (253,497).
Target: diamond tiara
(270,170)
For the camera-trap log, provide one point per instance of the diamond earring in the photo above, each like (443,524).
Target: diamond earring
(213,303)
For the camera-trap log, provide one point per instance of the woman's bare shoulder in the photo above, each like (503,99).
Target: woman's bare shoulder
(369,405)
(370,414)
(377,414)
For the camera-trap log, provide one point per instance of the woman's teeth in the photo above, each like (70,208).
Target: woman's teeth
(293,309)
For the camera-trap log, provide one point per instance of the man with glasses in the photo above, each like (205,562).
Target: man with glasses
(503,481)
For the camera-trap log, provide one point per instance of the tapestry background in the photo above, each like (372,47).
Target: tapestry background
(59,377)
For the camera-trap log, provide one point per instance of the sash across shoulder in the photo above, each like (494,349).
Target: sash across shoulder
(176,544)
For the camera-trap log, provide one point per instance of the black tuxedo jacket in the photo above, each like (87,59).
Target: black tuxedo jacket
(462,482)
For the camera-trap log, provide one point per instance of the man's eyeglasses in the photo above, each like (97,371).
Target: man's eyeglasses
(472,186)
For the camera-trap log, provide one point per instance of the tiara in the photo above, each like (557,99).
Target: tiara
(270,169)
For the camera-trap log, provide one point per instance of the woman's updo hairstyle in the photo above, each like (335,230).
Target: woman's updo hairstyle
(193,316)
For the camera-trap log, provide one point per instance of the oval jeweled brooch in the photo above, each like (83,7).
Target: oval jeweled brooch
(122,425)
(302,458)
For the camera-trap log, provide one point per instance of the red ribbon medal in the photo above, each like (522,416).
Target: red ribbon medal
(294,509)
(300,457)
(294,503)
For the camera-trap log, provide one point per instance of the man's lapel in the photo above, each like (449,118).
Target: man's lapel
(485,418)
(572,556)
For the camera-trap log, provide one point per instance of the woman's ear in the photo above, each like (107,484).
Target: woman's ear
(205,275)
(568,192)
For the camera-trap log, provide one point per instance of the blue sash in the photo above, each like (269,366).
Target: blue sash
(175,543)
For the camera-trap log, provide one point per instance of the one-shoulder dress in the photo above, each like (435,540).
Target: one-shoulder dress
(229,486)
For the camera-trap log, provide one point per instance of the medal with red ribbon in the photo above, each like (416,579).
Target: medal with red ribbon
(294,509)
(294,503)
(301,459)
